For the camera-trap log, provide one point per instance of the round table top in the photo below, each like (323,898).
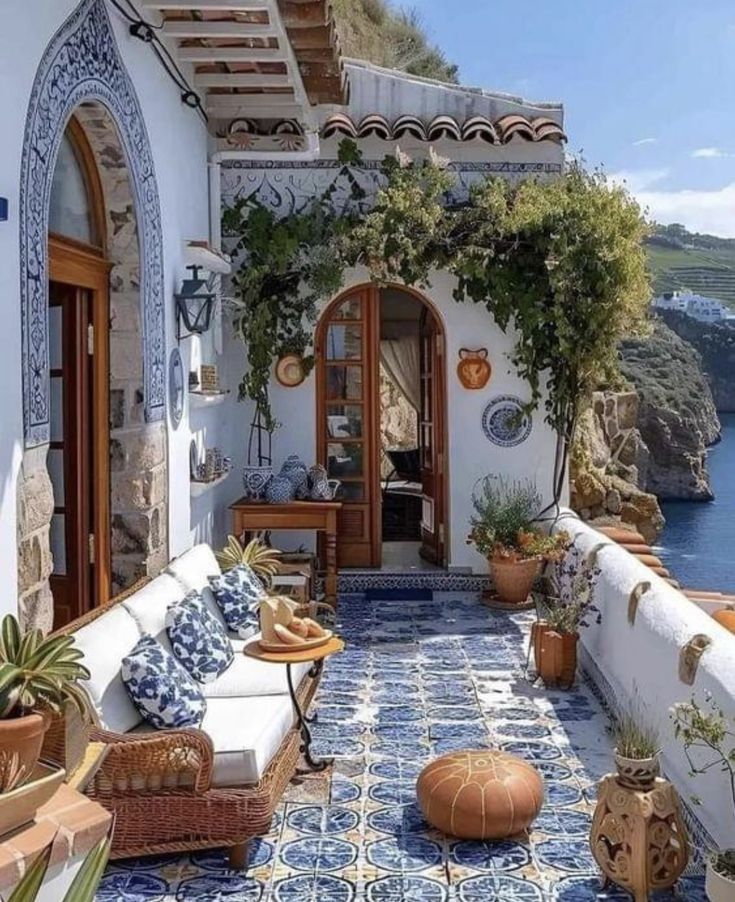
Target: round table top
(335,644)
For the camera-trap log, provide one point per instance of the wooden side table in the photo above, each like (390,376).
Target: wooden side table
(317,657)
(257,516)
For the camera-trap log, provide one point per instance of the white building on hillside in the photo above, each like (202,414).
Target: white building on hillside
(699,307)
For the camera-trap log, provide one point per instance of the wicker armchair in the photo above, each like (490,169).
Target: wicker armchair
(159,786)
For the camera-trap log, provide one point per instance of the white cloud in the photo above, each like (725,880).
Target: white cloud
(643,141)
(712,212)
(708,153)
(636,180)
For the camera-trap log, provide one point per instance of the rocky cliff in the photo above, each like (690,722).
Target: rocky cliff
(716,346)
(649,442)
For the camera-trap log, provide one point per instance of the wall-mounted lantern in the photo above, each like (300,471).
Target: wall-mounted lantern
(194,304)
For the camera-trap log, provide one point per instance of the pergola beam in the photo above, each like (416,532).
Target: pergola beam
(175,28)
(230,54)
(241,80)
(237,6)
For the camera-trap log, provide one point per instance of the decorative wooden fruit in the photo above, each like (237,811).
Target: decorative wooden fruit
(480,794)
(474,370)
(725,618)
(282,629)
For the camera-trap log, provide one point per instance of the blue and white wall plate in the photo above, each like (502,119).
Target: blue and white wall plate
(504,422)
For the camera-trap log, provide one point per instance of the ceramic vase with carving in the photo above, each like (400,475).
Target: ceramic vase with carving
(637,773)
(719,886)
(280,490)
(255,481)
(321,487)
(295,470)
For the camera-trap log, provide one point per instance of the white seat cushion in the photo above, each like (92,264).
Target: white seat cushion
(246,734)
(149,605)
(194,568)
(105,642)
(246,676)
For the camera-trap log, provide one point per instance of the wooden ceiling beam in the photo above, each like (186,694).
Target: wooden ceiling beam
(238,6)
(303,15)
(230,54)
(175,28)
(241,80)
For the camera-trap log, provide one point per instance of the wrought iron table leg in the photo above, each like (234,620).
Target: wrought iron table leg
(314,763)
(314,673)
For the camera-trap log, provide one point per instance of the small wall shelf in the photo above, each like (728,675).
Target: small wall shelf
(201,488)
(202,400)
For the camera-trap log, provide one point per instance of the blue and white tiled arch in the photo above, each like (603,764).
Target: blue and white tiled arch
(82,63)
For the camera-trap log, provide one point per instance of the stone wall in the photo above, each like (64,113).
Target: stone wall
(35,500)
(398,422)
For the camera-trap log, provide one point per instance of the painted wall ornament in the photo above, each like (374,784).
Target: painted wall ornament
(175,388)
(82,63)
(505,423)
(474,369)
(290,371)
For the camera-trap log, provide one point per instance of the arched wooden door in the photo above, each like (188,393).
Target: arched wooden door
(348,425)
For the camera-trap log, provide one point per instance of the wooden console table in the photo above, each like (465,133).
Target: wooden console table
(257,516)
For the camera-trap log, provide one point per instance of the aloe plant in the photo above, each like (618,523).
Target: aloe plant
(38,672)
(263,560)
(83,887)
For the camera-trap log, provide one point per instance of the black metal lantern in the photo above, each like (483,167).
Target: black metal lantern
(194,304)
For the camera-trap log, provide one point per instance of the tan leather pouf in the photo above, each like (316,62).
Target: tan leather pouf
(480,795)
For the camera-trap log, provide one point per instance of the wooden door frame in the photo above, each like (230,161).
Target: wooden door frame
(372,298)
(70,263)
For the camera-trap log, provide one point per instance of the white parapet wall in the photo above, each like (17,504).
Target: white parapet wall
(637,665)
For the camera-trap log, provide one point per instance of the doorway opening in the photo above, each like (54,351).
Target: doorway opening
(381,423)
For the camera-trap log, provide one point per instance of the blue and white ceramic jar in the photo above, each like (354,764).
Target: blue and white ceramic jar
(280,490)
(294,469)
(255,480)
(321,487)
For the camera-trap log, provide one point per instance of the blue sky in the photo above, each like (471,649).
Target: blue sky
(648,86)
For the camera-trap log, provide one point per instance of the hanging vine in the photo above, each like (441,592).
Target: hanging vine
(562,263)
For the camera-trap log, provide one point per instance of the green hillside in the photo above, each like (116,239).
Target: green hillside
(702,263)
(390,35)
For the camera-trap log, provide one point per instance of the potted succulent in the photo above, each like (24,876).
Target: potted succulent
(37,677)
(261,558)
(708,731)
(502,529)
(637,750)
(565,604)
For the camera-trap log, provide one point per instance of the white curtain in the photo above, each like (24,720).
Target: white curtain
(400,357)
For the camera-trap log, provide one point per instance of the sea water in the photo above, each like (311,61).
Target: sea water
(698,543)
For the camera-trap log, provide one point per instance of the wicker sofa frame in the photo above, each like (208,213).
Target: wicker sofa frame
(159,786)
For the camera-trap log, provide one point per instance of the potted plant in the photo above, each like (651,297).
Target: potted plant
(37,676)
(708,730)
(636,752)
(565,604)
(502,529)
(263,560)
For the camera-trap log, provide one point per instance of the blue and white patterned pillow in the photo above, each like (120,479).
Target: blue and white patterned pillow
(238,592)
(198,639)
(162,691)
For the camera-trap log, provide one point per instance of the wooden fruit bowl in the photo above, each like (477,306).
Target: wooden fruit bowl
(314,642)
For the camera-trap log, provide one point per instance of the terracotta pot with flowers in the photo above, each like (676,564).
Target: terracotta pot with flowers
(708,736)
(565,604)
(502,529)
(37,677)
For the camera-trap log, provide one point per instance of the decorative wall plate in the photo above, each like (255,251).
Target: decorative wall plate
(504,422)
(176,387)
(290,371)
(474,370)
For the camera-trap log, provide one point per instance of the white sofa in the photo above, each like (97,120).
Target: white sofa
(247,737)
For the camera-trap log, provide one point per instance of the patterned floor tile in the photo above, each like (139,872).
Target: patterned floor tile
(417,678)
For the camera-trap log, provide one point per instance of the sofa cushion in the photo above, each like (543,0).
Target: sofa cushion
(238,592)
(162,691)
(246,734)
(246,676)
(148,606)
(104,643)
(199,642)
(194,568)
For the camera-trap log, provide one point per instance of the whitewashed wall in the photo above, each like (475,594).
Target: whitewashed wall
(470,454)
(639,666)
(179,143)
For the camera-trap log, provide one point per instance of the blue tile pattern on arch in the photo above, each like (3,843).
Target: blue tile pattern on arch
(459,669)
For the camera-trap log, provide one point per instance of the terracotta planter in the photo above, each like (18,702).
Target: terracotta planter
(637,773)
(718,887)
(21,739)
(555,655)
(514,579)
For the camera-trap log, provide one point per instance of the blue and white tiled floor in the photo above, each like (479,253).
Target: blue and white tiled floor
(418,678)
